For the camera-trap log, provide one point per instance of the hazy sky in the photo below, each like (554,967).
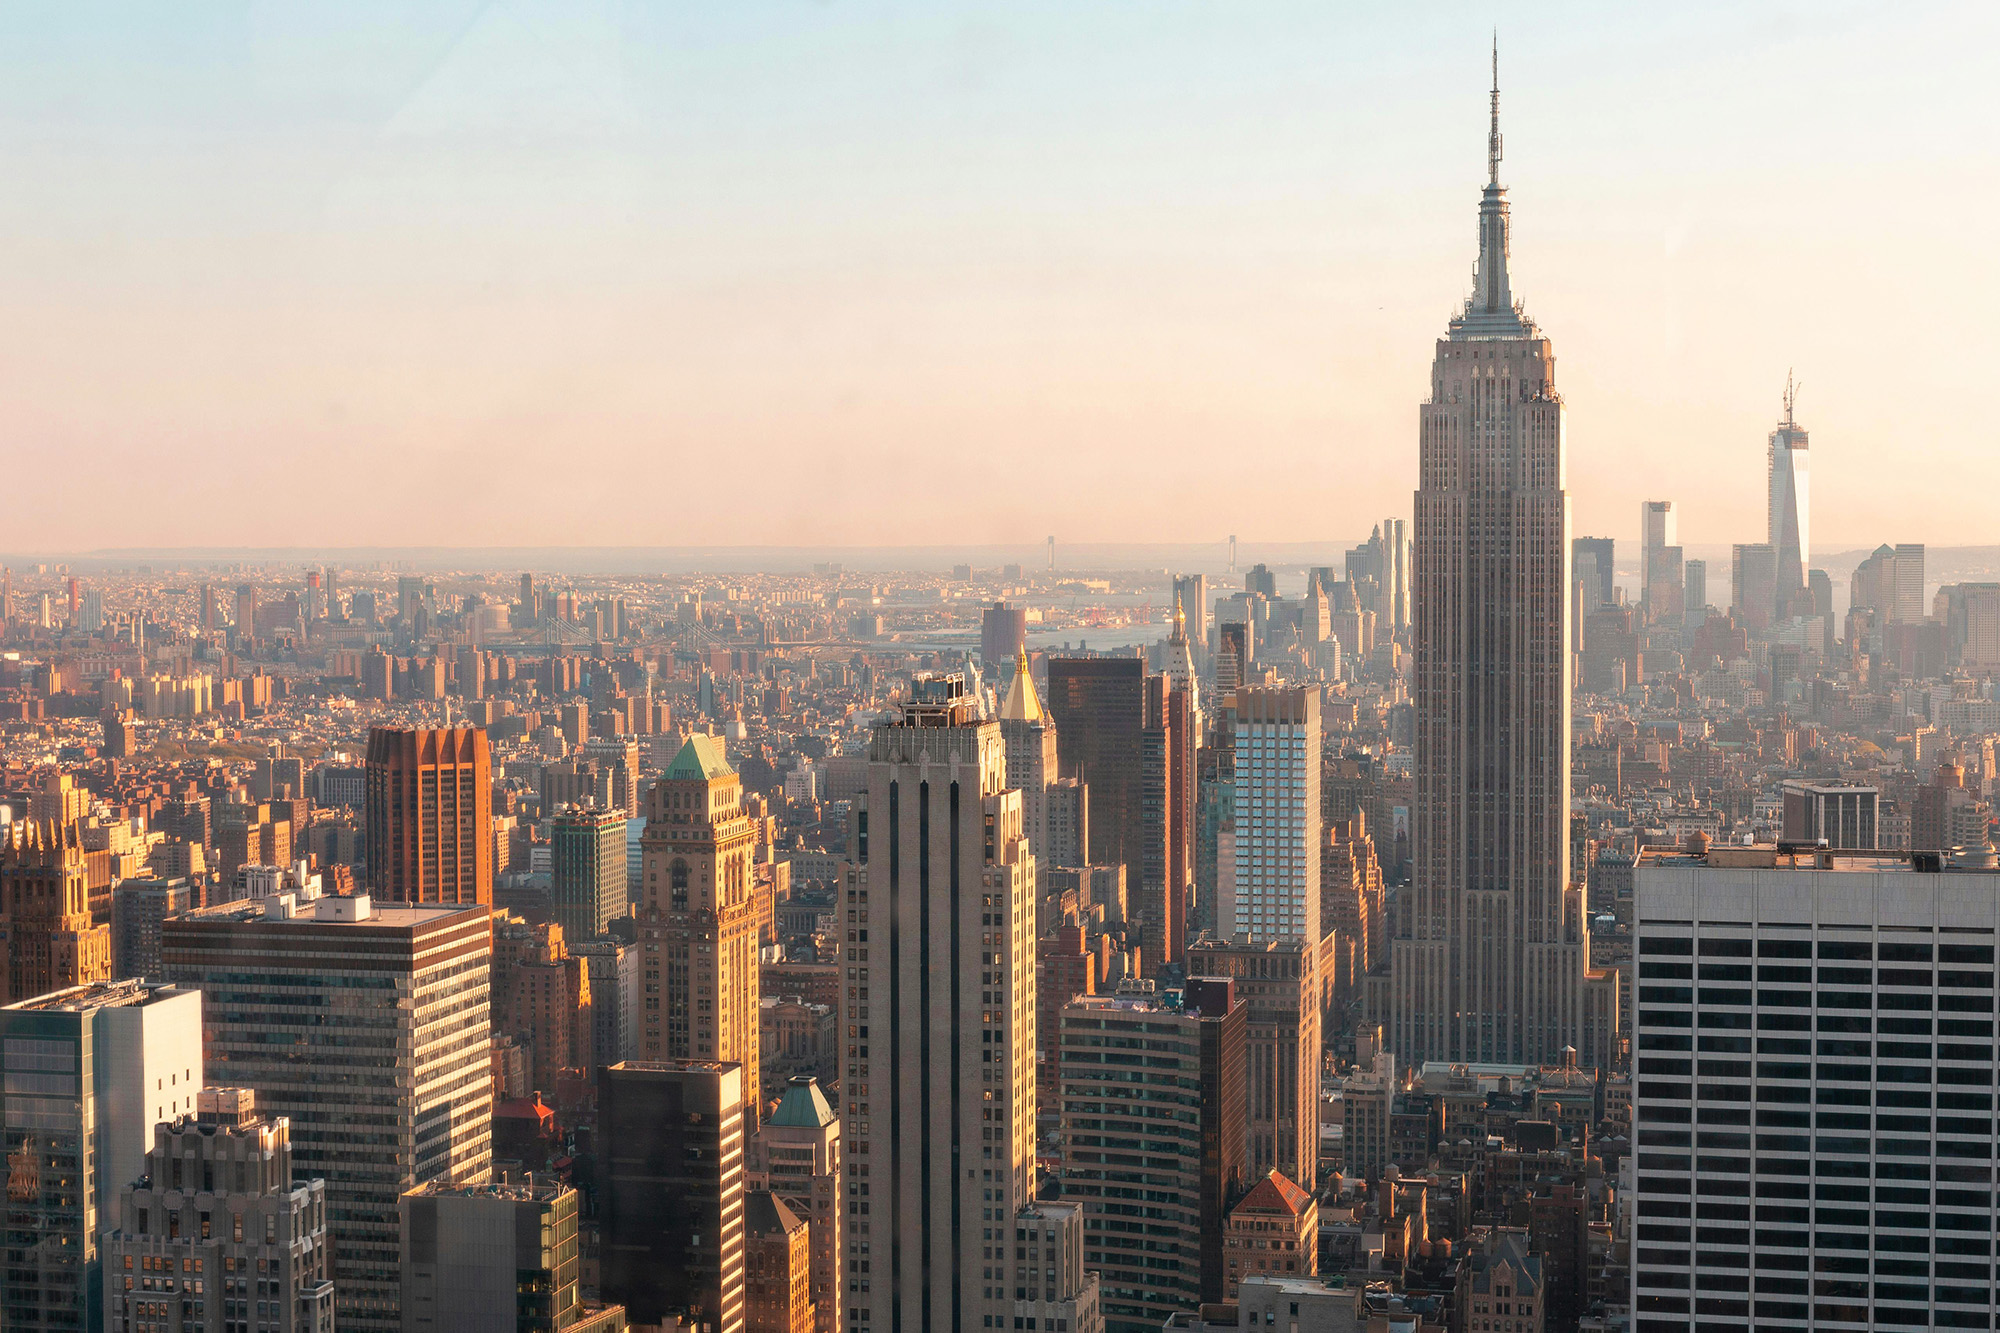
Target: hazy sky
(928,272)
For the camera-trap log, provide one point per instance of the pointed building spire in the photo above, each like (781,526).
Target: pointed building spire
(1022,703)
(1490,312)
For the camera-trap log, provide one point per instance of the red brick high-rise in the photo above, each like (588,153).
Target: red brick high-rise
(428,798)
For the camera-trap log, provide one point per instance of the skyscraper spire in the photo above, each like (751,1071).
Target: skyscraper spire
(1490,312)
(1493,135)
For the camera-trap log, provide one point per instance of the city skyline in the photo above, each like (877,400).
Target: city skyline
(1096,243)
(1508,922)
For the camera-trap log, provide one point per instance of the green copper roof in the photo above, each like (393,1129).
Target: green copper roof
(701,757)
(803,1106)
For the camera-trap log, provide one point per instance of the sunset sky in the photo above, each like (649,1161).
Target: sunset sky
(826,273)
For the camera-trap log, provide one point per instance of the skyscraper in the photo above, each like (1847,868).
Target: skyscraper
(698,919)
(1789,529)
(1909,606)
(1270,889)
(587,860)
(366,1024)
(1395,574)
(1130,737)
(1753,583)
(1112,1145)
(428,807)
(1861,1133)
(1593,576)
(88,1071)
(672,1189)
(1694,582)
(1191,595)
(1032,765)
(1493,968)
(1003,635)
(49,938)
(1659,562)
(1890,585)
(1280,982)
(940,1101)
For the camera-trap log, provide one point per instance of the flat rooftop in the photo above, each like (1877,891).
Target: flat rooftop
(1799,856)
(529,1188)
(379,914)
(101,995)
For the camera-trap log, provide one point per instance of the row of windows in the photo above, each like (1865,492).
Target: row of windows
(1827,974)
(1724,1008)
(1888,951)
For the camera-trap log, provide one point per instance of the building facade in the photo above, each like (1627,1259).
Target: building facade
(1843,815)
(777,1266)
(1153,1107)
(796,1155)
(1815,1071)
(496,1258)
(51,941)
(138,907)
(1279,982)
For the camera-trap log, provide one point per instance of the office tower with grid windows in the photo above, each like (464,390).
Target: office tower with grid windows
(1279,983)
(1172,1131)
(496,1258)
(88,1071)
(587,860)
(1815,1082)
(939,996)
(1493,964)
(1269,889)
(671,1190)
(366,1024)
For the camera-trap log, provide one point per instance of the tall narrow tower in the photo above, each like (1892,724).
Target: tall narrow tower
(1790,536)
(940,1096)
(698,919)
(1493,967)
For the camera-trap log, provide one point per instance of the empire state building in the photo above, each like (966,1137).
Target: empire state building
(1493,965)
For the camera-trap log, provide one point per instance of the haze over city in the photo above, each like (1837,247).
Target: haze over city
(529,274)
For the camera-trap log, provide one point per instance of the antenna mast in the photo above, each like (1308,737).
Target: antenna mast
(1493,135)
